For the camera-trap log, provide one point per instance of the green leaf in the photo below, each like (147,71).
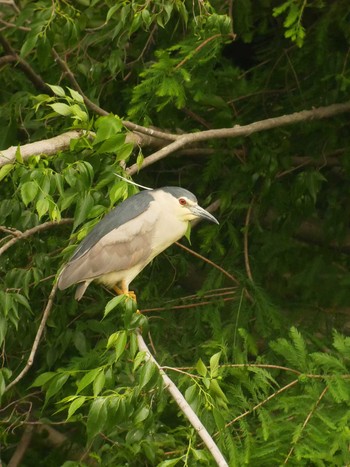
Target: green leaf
(99,383)
(87,379)
(124,152)
(140,357)
(97,417)
(42,206)
(141,415)
(76,96)
(201,368)
(56,385)
(120,344)
(107,127)
(147,372)
(74,406)
(18,155)
(3,328)
(5,170)
(215,388)
(29,191)
(112,10)
(82,210)
(169,462)
(113,304)
(117,192)
(57,90)
(112,144)
(43,379)
(214,365)
(78,113)
(28,45)
(61,109)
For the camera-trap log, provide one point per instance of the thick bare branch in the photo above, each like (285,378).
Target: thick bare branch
(48,147)
(244,130)
(184,406)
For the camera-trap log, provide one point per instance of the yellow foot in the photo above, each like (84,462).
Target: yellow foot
(130,293)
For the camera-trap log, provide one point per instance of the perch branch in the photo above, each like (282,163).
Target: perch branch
(47,146)
(184,406)
(37,339)
(27,233)
(244,130)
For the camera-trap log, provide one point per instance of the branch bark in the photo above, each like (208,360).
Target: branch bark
(48,147)
(22,447)
(244,130)
(184,406)
(27,233)
(148,136)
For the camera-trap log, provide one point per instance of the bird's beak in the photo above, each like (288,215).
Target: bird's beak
(200,212)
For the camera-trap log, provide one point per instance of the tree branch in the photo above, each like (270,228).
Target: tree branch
(22,447)
(244,130)
(184,406)
(47,146)
(36,79)
(27,233)
(37,339)
(97,109)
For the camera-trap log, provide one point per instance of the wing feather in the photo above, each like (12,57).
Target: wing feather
(120,249)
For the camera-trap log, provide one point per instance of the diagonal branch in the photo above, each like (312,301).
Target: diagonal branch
(184,406)
(36,79)
(97,109)
(244,130)
(37,339)
(27,233)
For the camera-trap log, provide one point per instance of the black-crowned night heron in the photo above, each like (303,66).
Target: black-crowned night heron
(129,237)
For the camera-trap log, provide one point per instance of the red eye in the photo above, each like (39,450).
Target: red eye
(182,201)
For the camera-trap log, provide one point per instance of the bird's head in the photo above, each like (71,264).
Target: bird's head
(185,206)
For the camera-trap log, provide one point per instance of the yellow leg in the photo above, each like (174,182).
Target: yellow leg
(124,291)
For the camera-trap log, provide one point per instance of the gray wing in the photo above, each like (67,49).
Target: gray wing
(120,249)
(120,215)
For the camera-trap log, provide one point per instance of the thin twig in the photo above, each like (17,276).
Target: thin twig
(306,421)
(203,258)
(36,79)
(32,231)
(184,307)
(284,388)
(184,406)
(97,109)
(37,339)
(245,240)
(197,49)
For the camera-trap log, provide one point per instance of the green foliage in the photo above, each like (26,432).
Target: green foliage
(262,356)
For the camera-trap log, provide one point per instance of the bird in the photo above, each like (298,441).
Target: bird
(129,237)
